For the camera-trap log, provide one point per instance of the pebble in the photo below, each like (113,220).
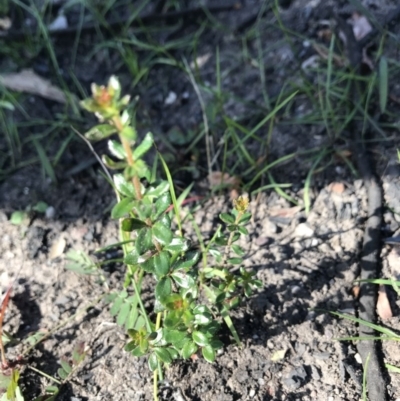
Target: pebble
(295,378)
(252,393)
(357,357)
(62,300)
(171,98)
(59,23)
(303,231)
(50,213)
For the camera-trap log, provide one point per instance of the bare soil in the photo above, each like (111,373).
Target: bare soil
(308,263)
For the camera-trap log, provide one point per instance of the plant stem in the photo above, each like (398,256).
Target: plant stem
(45,375)
(129,156)
(155,373)
(143,310)
(228,245)
(155,385)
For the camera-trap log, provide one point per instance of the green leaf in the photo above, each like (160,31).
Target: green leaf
(221,241)
(161,263)
(189,349)
(202,319)
(238,250)
(144,209)
(144,241)
(163,288)
(123,313)
(216,344)
(130,346)
(227,218)
(216,253)
(144,147)
(383,83)
(163,355)
(153,362)
(232,227)
(176,337)
(131,224)
(132,257)
(18,217)
(138,351)
(62,373)
(201,309)
(173,302)
(191,258)
(110,163)
(100,131)
(129,132)
(116,306)
(140,169)
(242,230)
(172,319)
(208,353)
(162,204)
(66,366)
(123,186)
(132,318)
(161,233)
(148,265)
(235,261)
(165,220)
(158,190)
(140,323)
(177,245)
(40,207)
(144,345)
(122,208)
(200,338)
(245,218)
(182,279)
(116,149)
(173,352)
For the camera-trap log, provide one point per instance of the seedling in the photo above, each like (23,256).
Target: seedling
(184,324)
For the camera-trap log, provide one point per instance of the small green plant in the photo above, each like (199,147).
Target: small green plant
(189,298)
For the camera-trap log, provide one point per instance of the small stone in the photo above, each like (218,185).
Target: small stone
(50,213)
(252,393)
(241,375)
(315,374)
(357,357)
(61,300)
(303,231)
(270,344)
(295,289)
(171,98)
(58,24)
(270,227)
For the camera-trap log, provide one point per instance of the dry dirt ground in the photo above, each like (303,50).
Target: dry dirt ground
(307,262)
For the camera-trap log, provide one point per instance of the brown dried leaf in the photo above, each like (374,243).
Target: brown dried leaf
(336,187)
(323,52)
(286,212)
(217,178)
(361,26)
(383,306)
(57,248)
(27,81)
(393,260)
